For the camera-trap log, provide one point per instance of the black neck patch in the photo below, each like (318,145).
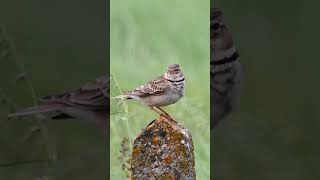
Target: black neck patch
(226,60)
(175,81)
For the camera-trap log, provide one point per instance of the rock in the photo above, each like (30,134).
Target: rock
(163,151)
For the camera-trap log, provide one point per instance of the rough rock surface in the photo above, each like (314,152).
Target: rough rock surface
(163,151)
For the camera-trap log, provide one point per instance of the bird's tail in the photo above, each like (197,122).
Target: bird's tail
(37,109)
(123,96)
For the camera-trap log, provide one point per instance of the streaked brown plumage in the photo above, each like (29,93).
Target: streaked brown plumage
(90,102)
(153,87)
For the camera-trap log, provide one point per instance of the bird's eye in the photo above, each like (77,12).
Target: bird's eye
(215,26)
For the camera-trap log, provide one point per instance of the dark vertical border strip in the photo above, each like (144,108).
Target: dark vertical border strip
(211,137)
(107,38)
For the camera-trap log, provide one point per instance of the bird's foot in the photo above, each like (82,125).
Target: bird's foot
(162,113)
(166,115)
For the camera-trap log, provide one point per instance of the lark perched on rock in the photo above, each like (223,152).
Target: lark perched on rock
(161,91)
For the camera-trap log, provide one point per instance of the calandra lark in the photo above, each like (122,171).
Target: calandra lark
(225,70)
(90,102)
(161,91)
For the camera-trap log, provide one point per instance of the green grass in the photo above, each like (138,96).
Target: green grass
(145,38)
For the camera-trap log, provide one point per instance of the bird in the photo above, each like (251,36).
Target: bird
(225,69)
(159,92)
(90,102)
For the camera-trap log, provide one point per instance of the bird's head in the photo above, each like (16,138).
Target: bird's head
(220,38)
(173,73)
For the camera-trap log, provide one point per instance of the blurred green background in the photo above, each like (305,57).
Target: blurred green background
(147,36)
(275,133)
(59,45)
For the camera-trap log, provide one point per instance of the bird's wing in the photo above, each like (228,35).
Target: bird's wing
(154,87)
(94,95)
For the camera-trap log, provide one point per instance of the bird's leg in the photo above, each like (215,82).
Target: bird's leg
(160,113)
(170,118)
(152,107)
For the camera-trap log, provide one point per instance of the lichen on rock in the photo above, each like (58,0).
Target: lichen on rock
(163,151)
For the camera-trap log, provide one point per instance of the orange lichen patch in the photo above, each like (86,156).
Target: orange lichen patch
(136,151)
(155,140)
(166,176)
(176,136)
(167,160)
